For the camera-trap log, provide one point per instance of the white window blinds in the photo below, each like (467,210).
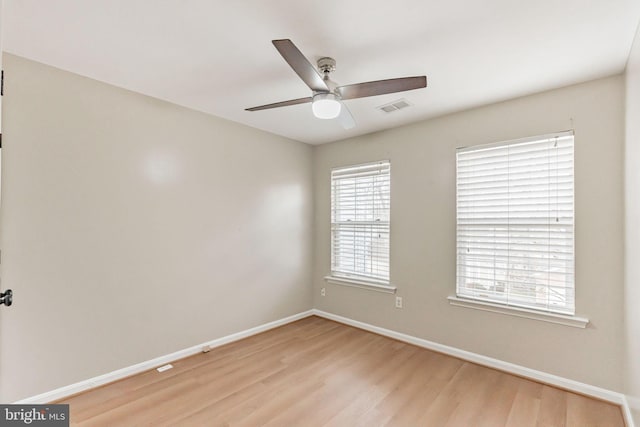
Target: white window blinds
(360,213)
(515,223)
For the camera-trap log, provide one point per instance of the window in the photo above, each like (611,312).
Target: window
(515,217)
(360,208)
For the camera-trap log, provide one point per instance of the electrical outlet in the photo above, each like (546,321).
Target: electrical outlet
(398,302)
(323,292)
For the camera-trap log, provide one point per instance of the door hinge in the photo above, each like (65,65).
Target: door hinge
(6,297)
(1,82)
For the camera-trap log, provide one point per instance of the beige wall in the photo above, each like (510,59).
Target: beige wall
(423,232)
(632,231)
(132,228)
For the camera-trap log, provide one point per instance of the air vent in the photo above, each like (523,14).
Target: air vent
(394,106)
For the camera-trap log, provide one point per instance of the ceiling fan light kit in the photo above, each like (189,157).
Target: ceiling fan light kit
(327,98)
(326,105)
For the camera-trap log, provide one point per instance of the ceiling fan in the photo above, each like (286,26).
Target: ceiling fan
(326,99)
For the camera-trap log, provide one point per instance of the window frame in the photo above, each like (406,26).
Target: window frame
(563,315)
(354,277)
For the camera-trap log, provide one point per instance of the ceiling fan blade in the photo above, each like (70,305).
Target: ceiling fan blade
(381,87)
(346,118)
(301,65)
(281,104)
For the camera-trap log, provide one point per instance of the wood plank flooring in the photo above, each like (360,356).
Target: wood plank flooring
(315,372)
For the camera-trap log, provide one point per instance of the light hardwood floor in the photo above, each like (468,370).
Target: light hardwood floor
(315,372)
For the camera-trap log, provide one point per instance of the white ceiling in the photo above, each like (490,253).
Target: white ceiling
(216,56)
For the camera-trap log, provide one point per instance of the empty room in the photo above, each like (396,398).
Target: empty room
(288,213)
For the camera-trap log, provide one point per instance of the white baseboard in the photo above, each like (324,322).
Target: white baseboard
(78,387)
(632,406)
(543,377)
(629,404)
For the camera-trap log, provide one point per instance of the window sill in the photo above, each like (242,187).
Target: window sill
(355,283)
(560,319)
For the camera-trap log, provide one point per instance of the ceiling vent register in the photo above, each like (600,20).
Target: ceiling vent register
(394,106)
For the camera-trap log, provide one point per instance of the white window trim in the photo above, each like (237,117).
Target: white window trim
(560,319)
(369,284)
(496,306)
(355,280)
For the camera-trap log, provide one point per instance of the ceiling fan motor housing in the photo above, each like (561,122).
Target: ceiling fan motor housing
(326,65)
